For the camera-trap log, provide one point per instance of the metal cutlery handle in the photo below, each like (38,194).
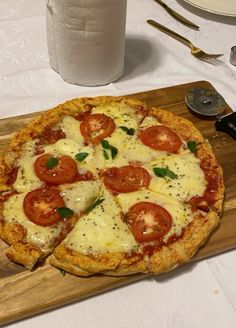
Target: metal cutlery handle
(162,3)
(177,16)
(171,33)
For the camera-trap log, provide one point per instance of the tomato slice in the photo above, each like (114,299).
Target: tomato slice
(40,206)
(64,172)
(96,127)
(148,221)
(126,178)
(161,137)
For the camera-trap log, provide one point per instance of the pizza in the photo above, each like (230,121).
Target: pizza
(108,185)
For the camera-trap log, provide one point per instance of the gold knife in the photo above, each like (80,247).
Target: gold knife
(177,16)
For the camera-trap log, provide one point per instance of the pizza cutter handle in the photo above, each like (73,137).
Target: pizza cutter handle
(227,124)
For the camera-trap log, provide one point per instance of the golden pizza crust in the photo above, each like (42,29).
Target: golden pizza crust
(184,249)
(165,259)
(107,263)
(205,153)
(12,233)
(24,254)
(118,264)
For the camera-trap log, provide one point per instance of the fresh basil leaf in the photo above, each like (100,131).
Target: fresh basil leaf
(81,156)
(192,145)
(105,144)
(114,152)
(65,212)
(52,162)
(163,172)
(129,131)
(159,171)
(171,174)
(105,154)
(97,202)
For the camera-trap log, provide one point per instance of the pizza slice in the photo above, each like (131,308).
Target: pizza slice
(34,222)
(100,242)
(169,232)
(179,176)
(109,128)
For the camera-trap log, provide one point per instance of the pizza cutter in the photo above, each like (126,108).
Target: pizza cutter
(210,103)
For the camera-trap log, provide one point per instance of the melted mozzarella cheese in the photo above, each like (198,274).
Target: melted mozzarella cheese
(190,179)
(118,140)
(95,162)
(122,114)
(26,179)
(130,149)
(133,150)
(136,151)
(79,195)
(40,236)
(101,230)
(68,147)
(71,127)
(181,214)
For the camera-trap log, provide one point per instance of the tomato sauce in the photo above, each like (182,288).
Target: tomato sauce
(84,176)
(6,194)
(11,176)
(51,136)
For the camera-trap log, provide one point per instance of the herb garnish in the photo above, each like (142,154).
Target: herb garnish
(105,154)
(52,162)
(65,212)
(97,202)
(114,152)
(163,172)
(106,146)
(192,145)
(81,156)
(129,131)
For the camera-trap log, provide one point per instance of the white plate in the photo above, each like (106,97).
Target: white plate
(220,7)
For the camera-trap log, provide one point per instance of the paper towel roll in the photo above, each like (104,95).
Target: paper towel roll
(86,39)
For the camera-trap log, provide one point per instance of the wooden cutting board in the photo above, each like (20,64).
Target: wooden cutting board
(25,293)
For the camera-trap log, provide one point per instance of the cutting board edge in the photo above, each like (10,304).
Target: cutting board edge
(34,114)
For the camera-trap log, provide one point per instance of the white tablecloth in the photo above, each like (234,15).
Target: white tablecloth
(199,295)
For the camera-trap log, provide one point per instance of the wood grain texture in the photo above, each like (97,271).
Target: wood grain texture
(25,293)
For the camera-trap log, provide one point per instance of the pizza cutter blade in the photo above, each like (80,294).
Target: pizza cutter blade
(205,102)
(210,103)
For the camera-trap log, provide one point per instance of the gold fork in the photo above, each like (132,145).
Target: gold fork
(195,51)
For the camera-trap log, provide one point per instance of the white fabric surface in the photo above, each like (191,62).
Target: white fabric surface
(195,296)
